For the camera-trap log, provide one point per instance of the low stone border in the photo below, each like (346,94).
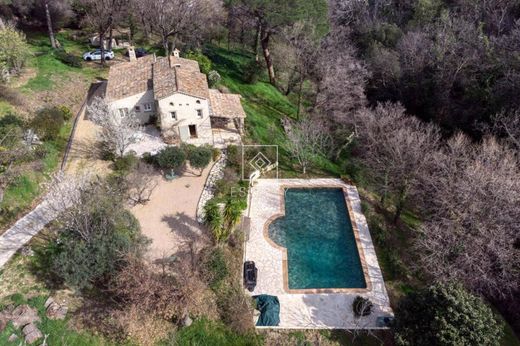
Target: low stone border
(216,173)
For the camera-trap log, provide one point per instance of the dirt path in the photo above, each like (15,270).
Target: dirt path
(169,218)
(84,152)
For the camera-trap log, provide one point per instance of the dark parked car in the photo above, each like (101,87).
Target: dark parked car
(139,52)
(250,273)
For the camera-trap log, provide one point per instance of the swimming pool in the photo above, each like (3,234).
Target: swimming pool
(317,233)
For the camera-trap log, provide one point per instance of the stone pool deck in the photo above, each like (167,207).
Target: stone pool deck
(310,310)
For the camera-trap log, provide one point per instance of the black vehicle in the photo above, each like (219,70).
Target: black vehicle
(250,273)
(139,52)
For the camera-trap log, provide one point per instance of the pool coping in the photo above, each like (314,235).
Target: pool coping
(355,230)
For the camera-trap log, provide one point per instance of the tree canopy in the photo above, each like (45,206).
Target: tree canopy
(445,315)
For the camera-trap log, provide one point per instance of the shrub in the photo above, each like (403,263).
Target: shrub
(204,62)
(67,113)
(362,306)
(225,186)
(10,130)
(14,50)
(214,78)
(214,220)
(234,156)
(445,315)
(125,164)
(68,59)
(172,158)
(215,268)
(48,122)
(200,157)
(206,332)
(252,72)
(152,291)
(233,212)
(215,154)
(96,235)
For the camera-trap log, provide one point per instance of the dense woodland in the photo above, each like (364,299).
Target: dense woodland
(414,101)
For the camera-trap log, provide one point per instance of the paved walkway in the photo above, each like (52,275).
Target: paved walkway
(24,229)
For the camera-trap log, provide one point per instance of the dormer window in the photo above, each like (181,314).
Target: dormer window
(173,115)
(147,107)
(199,113)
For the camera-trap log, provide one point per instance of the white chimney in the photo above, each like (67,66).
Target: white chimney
(131,53)
(176,53)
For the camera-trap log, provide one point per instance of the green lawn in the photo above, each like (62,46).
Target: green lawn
(265,107)
(19,195)
(49,74)
(59,332)
(49,69)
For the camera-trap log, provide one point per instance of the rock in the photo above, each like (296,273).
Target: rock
(32,333)
(48,302)
(56,311)
(187,321)
(13,338)
(24,314)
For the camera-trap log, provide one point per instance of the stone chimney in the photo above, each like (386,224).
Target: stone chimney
(176,53)
(131,53)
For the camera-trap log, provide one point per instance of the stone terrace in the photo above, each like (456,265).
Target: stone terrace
(310,310)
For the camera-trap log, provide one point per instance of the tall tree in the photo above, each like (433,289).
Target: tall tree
(49,23)
(172,20)
(102,15)
(117,131)
(271,16)
(472,232)
(396,149)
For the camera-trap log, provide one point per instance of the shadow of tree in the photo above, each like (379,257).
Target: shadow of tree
(191,235)
(86,149)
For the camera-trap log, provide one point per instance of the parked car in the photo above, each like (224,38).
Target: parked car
(96,55)
(250,275)
(139,52)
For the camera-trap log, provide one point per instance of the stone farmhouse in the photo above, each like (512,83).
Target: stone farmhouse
(172,93)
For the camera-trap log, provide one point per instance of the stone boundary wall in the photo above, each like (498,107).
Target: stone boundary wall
(216,173)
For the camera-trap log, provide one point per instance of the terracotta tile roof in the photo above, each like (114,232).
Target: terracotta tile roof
(130,78)
(167,80)
(192,83)
(187,64)
(225,105)
(164,79)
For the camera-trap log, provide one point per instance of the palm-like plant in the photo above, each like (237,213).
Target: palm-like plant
(214,220)
(232,213)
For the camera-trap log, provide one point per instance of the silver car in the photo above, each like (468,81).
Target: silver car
(96,55)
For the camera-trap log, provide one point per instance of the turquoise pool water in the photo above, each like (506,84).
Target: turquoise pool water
(318,235)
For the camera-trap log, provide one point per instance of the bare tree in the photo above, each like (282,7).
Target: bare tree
(472,230)
(173,19)
(118,131)
(396,150)
(102,15)
(508,125)
(308,139)
(49,23)
(340,78)
(141,183)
